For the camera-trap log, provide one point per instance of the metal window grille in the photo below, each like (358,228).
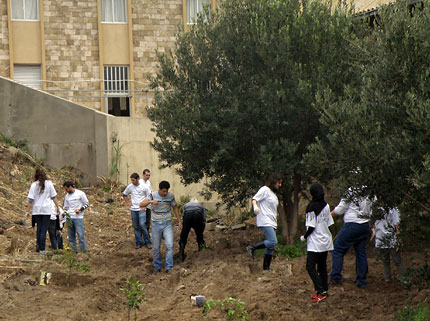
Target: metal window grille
(116,79)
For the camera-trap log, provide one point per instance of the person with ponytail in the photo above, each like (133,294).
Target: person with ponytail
(40,197)
(265,204)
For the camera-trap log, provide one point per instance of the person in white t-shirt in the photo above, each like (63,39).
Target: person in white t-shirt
(75,203)
(138,193)
(319,241)
(54,229)
(354,232)
(265,204)
(145,181)
(386,242)
(40,197)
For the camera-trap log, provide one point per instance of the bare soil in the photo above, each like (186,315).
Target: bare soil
(223,270)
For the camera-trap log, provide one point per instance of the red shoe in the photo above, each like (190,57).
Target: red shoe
(313,295)
(319,297)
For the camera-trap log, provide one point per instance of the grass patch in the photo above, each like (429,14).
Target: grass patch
(291,251)
(419,313)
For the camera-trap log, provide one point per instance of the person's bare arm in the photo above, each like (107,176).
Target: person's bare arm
(176,211)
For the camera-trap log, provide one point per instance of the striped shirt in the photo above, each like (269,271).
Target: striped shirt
(163,210)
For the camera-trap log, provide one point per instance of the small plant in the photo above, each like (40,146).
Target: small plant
(68,219)
(69,260)
(116,159)
(233,308)
(420,313)
(135,296)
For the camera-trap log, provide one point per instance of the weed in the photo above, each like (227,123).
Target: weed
(21,144)
(233,308)
(419,276)
(135,295)
(420,313)
(291,251)
(116,159)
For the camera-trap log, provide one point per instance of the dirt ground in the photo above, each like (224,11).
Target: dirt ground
(223,270)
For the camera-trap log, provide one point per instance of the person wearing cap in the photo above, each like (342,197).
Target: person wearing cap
(194,216)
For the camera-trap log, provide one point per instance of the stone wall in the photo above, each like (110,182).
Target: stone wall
(155,23)
(72,49)
(4,40)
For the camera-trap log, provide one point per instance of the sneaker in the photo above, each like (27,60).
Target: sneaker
(156,271)
(138,246)
(319,297)
(43,252)
(313,295)
(148,245)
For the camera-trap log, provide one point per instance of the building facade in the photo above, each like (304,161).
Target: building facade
(98,53)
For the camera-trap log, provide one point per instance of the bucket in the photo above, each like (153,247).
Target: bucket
(198,300)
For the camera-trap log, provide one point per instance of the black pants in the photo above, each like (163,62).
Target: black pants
(42,223)
(192,220)
(148,219)
(54,236)
(316,265)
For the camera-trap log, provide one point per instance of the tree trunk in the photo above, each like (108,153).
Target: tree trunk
(290,212)
(283,222)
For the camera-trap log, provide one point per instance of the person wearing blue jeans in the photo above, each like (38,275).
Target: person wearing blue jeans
(353,233)
(138,218)
(162,203)
(77,227)
(265,204)
(138,192)
(75,203)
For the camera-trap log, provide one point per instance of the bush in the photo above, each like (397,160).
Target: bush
(420,313)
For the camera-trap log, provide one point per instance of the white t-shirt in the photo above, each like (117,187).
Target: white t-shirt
(385,230)
(147,183)
(138,194)
(320,239)
(268,203)
(54,212)
(42,201)
(75,201)
(356,211)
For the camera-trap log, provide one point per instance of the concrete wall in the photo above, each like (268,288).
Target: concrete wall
(64,133)
(60,132)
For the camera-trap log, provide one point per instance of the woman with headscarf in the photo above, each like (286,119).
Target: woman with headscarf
(319,241)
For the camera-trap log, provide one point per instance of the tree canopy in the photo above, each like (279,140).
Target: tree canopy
(381,126)
(240,94)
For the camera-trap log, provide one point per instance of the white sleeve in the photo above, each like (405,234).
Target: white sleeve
(395,216)
(330,221)
(261,194)
(342,207)
(126,191)
(84,200)
(31,192)
(311,219)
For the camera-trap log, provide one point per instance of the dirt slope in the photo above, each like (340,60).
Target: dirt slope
(223,270)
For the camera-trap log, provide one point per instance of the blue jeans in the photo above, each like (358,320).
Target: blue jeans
(351,234)
(165,230)
(77,227)
(270,241)
(138,219)
(42,223)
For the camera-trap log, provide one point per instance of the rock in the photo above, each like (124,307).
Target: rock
(221,227)
(183,272)
(13,151)
(210,226)
(239,227)
(207,286)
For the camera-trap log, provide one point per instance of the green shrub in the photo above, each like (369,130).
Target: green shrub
(233,308)
(420,313)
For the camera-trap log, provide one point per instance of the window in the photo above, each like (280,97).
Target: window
(114,11)
(25,9)
(194,7)
(117,90)
(28,75)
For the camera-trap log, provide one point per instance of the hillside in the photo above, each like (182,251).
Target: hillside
(221,271)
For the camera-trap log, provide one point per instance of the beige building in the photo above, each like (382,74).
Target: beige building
(98,53)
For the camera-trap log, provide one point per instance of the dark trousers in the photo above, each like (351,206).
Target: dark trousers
(148,219)
(316,265)
(192,220)
(54,236)
(42,223)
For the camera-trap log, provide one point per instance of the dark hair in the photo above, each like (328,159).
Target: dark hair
(134,175)
(40,176)
(163,185)
(68,184)
(146,171)
(272,179)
